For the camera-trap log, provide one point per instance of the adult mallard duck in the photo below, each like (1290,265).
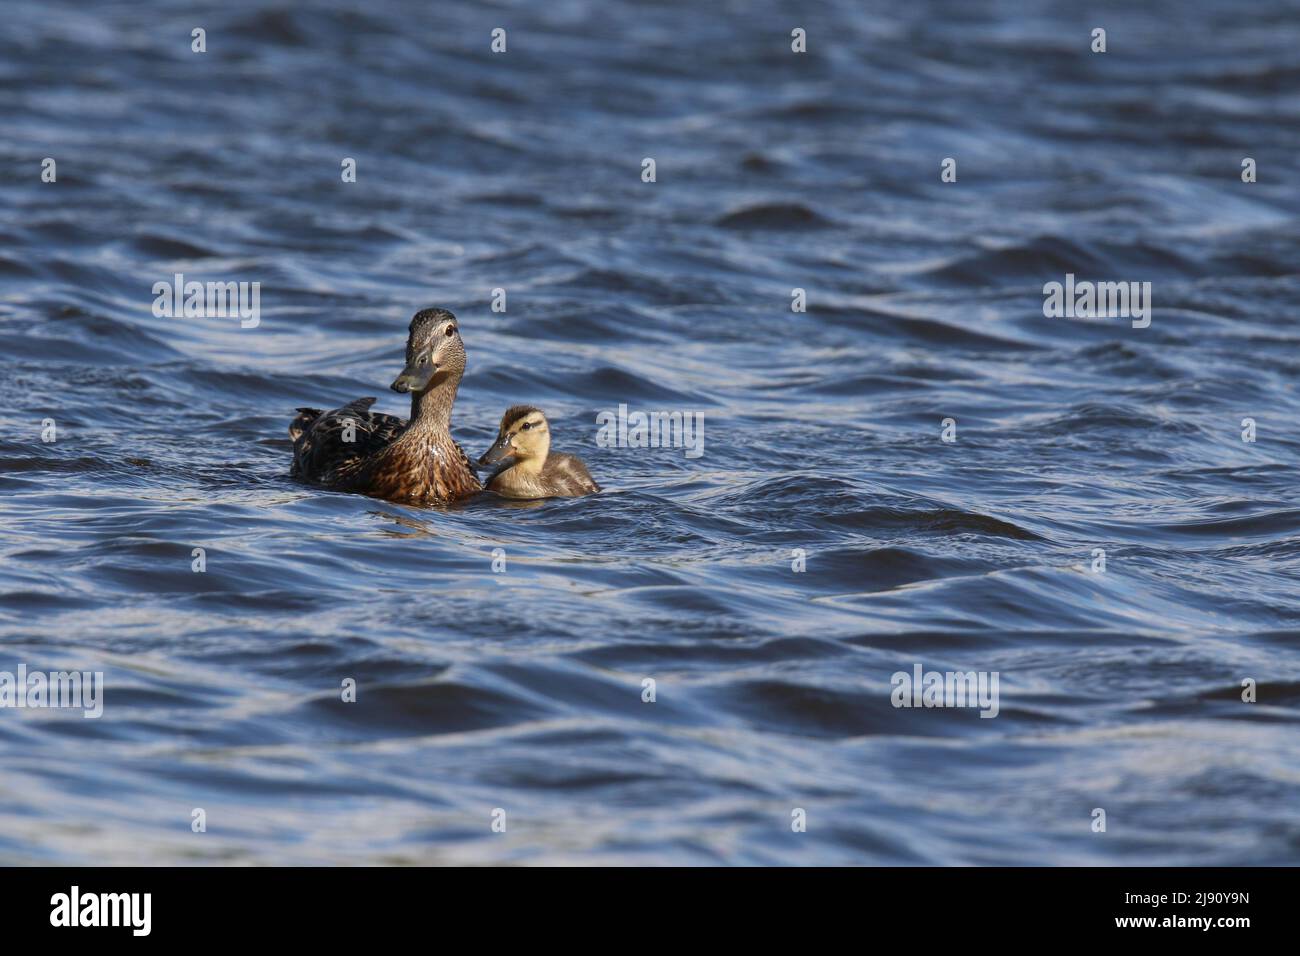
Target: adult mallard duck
(354,449)
(531,471)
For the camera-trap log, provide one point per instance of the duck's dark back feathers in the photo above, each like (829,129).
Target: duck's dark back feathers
(299,425)
(321,451)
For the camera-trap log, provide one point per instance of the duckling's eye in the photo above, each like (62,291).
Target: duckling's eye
(526,425)
(451,330)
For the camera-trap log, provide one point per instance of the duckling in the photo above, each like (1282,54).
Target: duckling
(354,449)
(524,442)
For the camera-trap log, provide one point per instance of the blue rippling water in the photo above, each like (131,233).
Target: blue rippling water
(1119,690)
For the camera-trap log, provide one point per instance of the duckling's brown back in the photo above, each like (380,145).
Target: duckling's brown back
(568,476)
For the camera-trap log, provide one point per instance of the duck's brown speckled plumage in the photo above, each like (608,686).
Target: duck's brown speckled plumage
(532,469)
(388,458)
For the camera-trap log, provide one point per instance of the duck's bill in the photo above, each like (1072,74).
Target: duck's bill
(414,378)
(498,452)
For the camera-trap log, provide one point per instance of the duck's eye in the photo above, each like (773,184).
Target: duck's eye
(526,425)
(424,360)
(451,330)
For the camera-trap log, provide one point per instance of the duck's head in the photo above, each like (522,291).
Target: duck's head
(434,352)
(524,438)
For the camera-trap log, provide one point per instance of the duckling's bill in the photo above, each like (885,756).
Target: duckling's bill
(499,452)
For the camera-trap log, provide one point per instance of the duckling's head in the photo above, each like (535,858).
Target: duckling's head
(434,351)
(524,439)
